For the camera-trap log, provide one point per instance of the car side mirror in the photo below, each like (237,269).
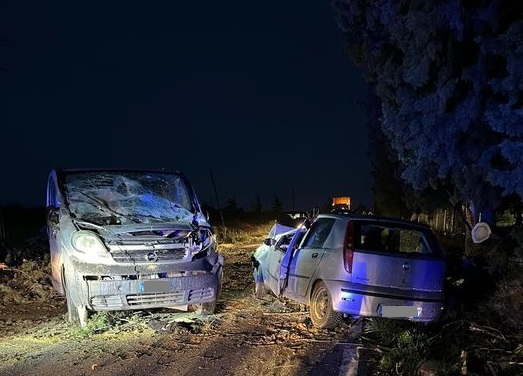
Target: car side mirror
(269,241)
(52,215)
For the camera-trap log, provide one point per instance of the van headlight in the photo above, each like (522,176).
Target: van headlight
(88,242)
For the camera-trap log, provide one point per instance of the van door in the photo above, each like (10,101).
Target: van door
(53,228)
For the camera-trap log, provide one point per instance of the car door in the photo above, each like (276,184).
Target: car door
(287,258)
(308,255)
(274,258)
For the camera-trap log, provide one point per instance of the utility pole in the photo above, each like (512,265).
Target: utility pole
(217,198)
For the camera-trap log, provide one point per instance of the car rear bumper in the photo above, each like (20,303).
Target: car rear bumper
(356,300)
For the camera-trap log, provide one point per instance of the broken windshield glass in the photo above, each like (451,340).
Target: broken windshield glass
(127,197)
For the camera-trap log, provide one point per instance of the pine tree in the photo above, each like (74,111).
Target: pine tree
(450,79)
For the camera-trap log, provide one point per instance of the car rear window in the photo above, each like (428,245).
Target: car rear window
(394,238)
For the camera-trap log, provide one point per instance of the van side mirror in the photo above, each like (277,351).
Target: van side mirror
(52,215)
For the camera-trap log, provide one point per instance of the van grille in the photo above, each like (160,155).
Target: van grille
(174,298)
(121,255)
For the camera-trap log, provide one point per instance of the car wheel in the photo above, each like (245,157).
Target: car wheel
(259,290)
(76,314)
(322,314)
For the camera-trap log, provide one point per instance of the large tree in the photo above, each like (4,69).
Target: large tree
(449,76)
(387,187)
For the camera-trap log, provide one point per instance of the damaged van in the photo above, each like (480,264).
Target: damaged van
(129,240)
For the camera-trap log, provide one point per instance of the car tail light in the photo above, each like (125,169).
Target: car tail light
(348,247)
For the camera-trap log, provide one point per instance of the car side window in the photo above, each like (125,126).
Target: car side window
(318,233)
(284,242)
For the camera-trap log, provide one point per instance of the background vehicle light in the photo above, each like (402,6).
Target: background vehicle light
(87,242)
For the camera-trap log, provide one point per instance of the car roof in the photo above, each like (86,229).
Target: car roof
(373,218)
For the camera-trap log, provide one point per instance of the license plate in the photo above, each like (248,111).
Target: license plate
(155,286)
(399,311)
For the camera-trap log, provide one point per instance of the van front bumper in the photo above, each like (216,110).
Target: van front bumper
(120,287)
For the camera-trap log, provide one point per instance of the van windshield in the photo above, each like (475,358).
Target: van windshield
(129,196)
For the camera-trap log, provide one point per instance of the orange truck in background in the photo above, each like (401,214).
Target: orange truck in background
(340,203)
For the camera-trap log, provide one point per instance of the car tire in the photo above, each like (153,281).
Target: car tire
(76,314)
(322,313)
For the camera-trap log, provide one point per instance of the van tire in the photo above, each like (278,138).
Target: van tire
(75,314)
(206,308)
(322,313)
(210,307)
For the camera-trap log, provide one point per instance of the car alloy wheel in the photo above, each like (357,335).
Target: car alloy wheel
(322,314)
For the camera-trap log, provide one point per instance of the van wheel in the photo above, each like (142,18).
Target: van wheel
(205,308)
(75,314)
(322,314)
(210,307)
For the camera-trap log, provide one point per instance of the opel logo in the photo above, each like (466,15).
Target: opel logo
(151,257)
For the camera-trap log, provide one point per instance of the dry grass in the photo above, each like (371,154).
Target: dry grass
(243,233)
(30,281)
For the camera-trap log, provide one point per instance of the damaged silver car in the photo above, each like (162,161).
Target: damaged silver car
(130,239)
(350,265)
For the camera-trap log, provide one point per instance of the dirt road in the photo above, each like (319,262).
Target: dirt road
(246,336)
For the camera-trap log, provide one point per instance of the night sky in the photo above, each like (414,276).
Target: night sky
(259,93)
